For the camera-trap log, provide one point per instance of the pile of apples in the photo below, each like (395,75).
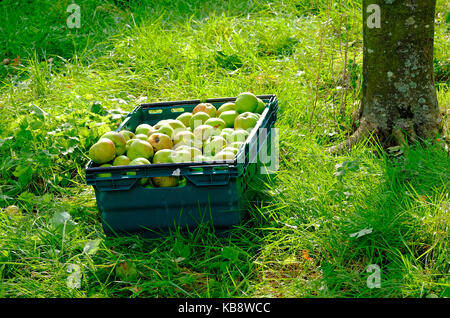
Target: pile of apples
(205,134)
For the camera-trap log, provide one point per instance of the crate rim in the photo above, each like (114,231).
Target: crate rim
(198,101)
(213,163)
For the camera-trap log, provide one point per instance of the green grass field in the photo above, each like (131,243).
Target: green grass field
(61,88)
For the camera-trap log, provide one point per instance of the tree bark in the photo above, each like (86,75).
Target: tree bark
(399,101)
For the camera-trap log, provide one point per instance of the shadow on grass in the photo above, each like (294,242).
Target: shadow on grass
(400,228)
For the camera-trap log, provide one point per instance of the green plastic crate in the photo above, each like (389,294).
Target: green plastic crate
(212,192)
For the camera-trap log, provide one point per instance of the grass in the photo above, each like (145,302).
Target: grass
(68,86)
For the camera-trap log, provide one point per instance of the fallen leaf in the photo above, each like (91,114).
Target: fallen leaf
(305,255)
(91,247)
(16,61)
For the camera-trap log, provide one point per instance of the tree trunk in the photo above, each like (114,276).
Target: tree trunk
(399,100)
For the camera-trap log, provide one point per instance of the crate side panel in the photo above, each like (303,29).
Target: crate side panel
(162,208)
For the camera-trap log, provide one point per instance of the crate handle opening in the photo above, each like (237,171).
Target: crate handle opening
(181,184)
(155,111)
(103,175)
(196,169)
(220,168)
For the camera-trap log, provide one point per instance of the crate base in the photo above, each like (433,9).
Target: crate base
(154,234)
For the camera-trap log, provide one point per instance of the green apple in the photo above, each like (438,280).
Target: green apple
(165,182)
(163,156)
(145,129)
(246,102)
(203,132)
(185,118)
(183,136)
(205,108)
(149,185)
(102,151)
(261,106)
(183,182)
(225,107)
(197,143)
(141,137)
(236,144)
(179,156)
(224,155)
(202,158)
(239,135)
(176,125)
(140,149)
(228,117)
(130,141)
(214,145)
(215,122)
(119,141)
(245,121)
(145,181)
(164,129)
(136,162)
(159,123)
(12,211)
(230,149)
(139,161)
(226,133)
(198,119)
(160,141)
(192,150)
(121,161)
(104,175)
(127,134)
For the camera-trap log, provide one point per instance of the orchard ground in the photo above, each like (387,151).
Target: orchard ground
(325,226)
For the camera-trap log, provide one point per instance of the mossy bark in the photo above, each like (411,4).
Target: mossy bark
(399,99)
(398,92)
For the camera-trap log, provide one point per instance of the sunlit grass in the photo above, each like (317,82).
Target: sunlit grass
(298,239)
